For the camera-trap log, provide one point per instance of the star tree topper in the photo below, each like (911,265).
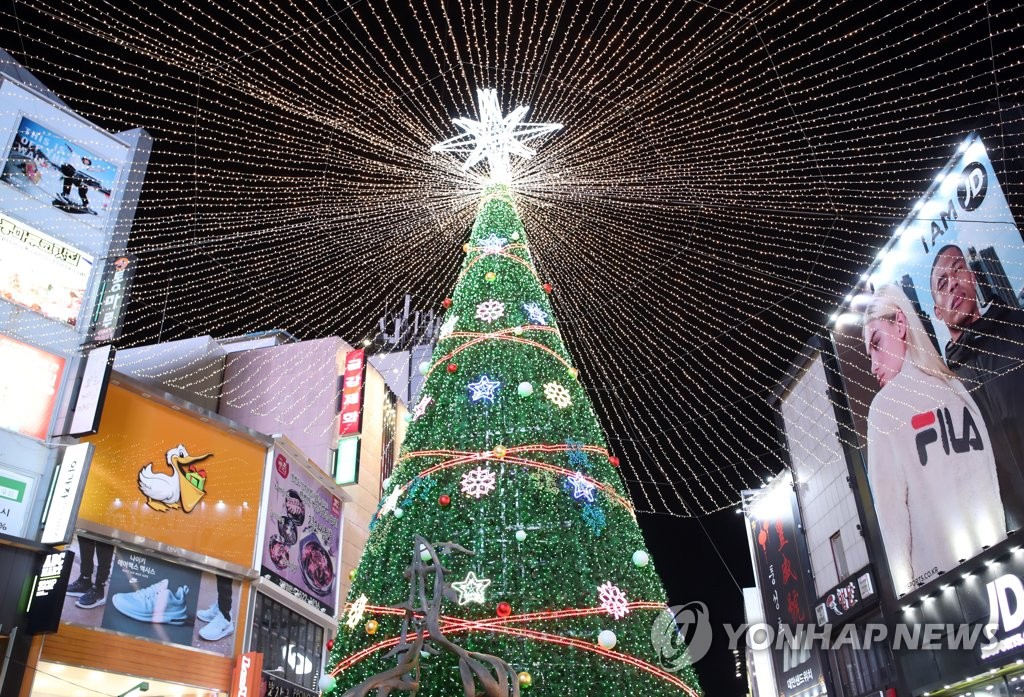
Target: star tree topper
(495,137)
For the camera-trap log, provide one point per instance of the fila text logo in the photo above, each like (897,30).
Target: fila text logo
(968,439)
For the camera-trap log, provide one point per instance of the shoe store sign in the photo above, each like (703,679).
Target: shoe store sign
(48,593)
(144,595)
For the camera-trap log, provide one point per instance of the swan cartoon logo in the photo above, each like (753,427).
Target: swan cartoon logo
(182,488)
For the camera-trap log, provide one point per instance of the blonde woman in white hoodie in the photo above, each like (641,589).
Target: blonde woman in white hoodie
(930,465)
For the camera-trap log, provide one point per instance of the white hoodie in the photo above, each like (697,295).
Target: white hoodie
(932,476)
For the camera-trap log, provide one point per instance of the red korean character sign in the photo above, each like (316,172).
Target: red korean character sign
(352,393)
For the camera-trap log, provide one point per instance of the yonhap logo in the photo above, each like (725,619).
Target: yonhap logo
(682,635)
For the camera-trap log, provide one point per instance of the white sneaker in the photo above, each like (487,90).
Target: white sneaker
(210,613)
(154,604)
(218,628)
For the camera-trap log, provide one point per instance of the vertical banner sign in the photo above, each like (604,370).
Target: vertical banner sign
(95,377)
(48,593)
(107,318)
(66,494)
(352,393)
(245,678)
(781,560)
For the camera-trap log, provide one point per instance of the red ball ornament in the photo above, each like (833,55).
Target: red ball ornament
(613,461)
(330,644)
(444,500)
(504,609)
(547,288)
(452,367)
(446,303)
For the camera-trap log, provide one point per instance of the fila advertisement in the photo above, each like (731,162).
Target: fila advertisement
(932,356)
(301,545)
(165,476)
(55,170)
(138,593)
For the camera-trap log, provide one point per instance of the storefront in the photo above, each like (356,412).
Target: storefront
(164,550)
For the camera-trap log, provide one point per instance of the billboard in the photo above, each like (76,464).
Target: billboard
(166,476)
(59,172)
(301,541)
(147,596)
(930,353)
(781,563)
(29,378)
(41,272)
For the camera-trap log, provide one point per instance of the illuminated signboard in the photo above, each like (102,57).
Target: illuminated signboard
(49,590)
(29,379)
(346,461)
(66,493)
(41,272)
(16,489)
(352,393)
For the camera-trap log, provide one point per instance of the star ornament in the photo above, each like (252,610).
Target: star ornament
(495,138)
(472,589)
(582,489)
(484,388)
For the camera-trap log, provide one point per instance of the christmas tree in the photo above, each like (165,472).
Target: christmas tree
(505,457)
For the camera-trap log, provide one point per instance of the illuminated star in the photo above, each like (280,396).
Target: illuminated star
(356,611)
(448,327)
(581,487)
(494,138)
(484,388)
(472,589)
(536,315)
(492,244)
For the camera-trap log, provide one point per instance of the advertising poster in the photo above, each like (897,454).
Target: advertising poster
(166,476)
(780,561)
(301,545)
(60,173)
(29,378)
(41,272)
(149,597)
(16,489)
(932,356)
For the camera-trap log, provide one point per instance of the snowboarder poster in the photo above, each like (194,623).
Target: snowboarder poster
(52,169)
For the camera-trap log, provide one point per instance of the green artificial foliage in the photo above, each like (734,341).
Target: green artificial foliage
(571,545)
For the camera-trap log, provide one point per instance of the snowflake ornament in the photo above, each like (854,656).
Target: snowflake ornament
(492,244)
(535,313)
(421,407)
(484,388)
(471,590)
(490,310)
(356,611)
(557,395)
(582,488)
(478,482)
(613,600)
(391,502)
(448,327)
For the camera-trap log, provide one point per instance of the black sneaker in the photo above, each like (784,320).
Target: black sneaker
(94,597)
(79,587)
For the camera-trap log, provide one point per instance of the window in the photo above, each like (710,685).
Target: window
(863,671)
(839,555)
(288,641)
(387,437)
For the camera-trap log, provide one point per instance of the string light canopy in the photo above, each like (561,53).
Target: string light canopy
(728,171)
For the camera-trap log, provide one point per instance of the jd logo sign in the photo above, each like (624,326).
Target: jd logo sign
(1005,615)
(973,186)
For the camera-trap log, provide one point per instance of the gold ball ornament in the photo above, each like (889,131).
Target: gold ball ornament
(352,575)
(371,626)
(490,276)
(499,451)
(465,247)
(525,680)
(573,373)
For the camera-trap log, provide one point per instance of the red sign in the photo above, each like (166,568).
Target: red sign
(245,678)
(29,379)
(352,393)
